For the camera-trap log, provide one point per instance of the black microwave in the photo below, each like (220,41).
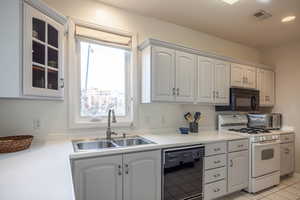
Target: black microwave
(246,100)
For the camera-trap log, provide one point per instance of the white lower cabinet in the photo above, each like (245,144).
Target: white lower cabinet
(287,157)
(142,178)
(238,171)
(133,176)
(215,190)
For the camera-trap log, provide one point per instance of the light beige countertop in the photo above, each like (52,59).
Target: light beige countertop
(44,170)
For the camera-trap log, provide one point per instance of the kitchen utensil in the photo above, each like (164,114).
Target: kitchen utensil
(194,127)
(197,116)
(188,116)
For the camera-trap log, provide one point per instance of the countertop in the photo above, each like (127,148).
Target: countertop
(44,171)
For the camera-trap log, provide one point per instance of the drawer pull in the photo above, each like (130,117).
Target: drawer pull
(241,145)
(286,138)
(217,161)
(217,149)
(217,175)
(119,170)
(217,190)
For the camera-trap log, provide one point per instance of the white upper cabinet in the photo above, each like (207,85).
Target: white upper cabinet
(163,74)
(32,47)
(266,86)
(167,75)
(243,76)
(185,76)
(213,81)
(43,70)
(205,80)
(222,82)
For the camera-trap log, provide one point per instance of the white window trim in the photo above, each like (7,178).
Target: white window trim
(77,122)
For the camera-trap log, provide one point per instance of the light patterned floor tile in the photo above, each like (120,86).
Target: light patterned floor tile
(287,195)
(292,190)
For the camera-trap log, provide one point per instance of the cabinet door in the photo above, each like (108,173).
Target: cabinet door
(249,77)
(237,75)
(142,177)
(163,74)
(43,70)
(287,158)
(185,76)
(266,87)
(222,82)
(238,171)
(205,80)
(98,178)
(269,88)
(260,85)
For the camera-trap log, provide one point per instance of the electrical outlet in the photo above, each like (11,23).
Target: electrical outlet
(36,124)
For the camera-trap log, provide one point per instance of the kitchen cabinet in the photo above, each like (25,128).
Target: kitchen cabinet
(266,86)
(32,47)
(238,171)
(213,81)
(243,76)
(287,154)
(98,178)
(142,178)
(132,176)
(167,75)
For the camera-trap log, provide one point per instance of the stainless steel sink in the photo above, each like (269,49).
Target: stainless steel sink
(98,144)
(126,142)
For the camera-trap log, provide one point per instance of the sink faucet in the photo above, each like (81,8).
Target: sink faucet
(110,119)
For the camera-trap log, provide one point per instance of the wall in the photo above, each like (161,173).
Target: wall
(287,64)
(18,115)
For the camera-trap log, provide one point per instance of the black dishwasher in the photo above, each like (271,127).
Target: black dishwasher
(183,173)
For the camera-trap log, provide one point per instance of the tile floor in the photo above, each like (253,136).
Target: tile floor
(289,189)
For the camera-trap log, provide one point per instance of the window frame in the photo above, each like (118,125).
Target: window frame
(75,120)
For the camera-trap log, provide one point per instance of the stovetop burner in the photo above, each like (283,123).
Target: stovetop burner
(251,130)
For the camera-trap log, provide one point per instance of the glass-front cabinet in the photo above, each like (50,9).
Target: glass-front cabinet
(42,55)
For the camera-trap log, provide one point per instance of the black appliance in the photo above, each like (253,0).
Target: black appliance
(183,173)
(242,100)
(251,130)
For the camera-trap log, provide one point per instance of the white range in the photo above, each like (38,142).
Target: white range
(264,153)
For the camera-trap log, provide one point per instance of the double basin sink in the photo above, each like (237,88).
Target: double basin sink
(98,144)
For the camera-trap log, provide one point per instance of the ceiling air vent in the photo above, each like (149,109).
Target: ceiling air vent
(262,15)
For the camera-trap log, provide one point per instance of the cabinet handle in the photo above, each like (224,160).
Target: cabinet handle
(63,83)
(231,163)
(217,190)
(126,169)
(217,149)
(217,161)
(177,91)
(217,94)
(240,146)
(173,91)
(120,170)
(217,175)
(287,151)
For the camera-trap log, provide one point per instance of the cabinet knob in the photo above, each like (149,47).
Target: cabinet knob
(231,163)
(173,92)
(216,189)
(62,83)
(126,169)
(217,161)
(119,170)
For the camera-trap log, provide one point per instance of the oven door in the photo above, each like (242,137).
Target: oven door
(265,158)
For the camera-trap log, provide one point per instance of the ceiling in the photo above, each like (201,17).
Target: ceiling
(232,22)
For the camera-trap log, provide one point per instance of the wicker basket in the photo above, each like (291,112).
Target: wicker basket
(15,143)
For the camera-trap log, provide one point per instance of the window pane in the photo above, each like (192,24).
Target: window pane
(102,79)
(52,58)
(52,36)
(38,77)
(52,79)
(38,53)
(38,29)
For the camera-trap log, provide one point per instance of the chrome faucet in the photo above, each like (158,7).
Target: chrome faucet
(110,119)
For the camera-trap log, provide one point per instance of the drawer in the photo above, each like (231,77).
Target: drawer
(215,161)
(215,190)
(216,148)
(238,145)
(215,175)
(287,138)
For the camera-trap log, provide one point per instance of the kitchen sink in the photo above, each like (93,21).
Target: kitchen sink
(118,142)
(126,142)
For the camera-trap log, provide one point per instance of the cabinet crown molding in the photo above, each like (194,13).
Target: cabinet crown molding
(156,42)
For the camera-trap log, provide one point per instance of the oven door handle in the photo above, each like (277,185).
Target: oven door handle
(267,143)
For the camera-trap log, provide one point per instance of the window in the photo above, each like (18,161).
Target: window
(103,79)
(101,76)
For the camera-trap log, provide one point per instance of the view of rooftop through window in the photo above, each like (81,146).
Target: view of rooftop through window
(103,78)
